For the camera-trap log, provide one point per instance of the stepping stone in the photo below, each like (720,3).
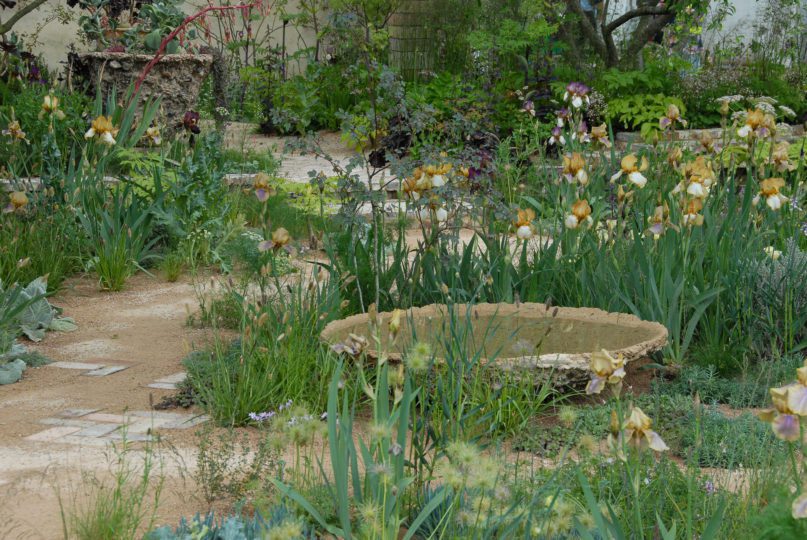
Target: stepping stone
(105,417)
(162,415)
(76,365)
(162,386)
(103,371)
(175,378)
(187,423)
(84,441)
(53,434)
(75,413)
(67,422)
(143,426)
(98,430)
(129,437)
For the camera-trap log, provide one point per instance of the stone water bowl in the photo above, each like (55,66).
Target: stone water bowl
(549,341)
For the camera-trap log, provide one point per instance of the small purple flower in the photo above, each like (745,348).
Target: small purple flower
(709,487)
(261,416)
(529,107)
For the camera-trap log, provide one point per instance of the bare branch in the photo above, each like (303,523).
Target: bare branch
(632,14)
(23,11)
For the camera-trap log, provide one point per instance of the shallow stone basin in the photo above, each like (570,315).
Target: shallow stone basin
(556,341)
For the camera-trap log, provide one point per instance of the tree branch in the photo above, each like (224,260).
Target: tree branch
(632,14)
(23,11)
(641,37)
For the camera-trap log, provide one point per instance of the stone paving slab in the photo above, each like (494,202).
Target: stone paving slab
(76,413)
(98,430)
(106,417)
(175,378)
(85,441)
(53,433)
(163,415)
(67,422)
(129,437)
(92,428)
(107,370)
(162,386)
(76,365)
(185,424)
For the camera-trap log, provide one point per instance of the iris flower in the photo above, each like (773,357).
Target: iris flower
(581,213)
(799,507)
(674,156)
(773,253)
(563,116)
(789,402)
(280,237)
(15,132)
(599,135)
(17,200)
(769,189)
(353,346)
(582,133)
(523,224)
(670,118)
(103,129)
(261,185)
(633,168)
(557,136)
(190,121)
(758,124)
(698,178)
(577,94)
(780,157)
(692,208)
(50,105)
(153,136)
(707,142)
(574,168)
(660,221)
(638,433)
(605,369)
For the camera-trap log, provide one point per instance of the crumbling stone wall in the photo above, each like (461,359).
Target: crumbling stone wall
(176,79)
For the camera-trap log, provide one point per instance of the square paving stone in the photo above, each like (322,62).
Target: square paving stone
(129,437)
(76,365)
(163,386)
(75,413)
(53,433)
(67,422)
(162,415)
(175,378)
(187,422)
(103,371)
(98,430)
(84,441)
(105,417)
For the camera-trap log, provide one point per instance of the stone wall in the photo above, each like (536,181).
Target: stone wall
(55,38)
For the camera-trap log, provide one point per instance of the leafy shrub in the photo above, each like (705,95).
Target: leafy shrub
(641,111)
